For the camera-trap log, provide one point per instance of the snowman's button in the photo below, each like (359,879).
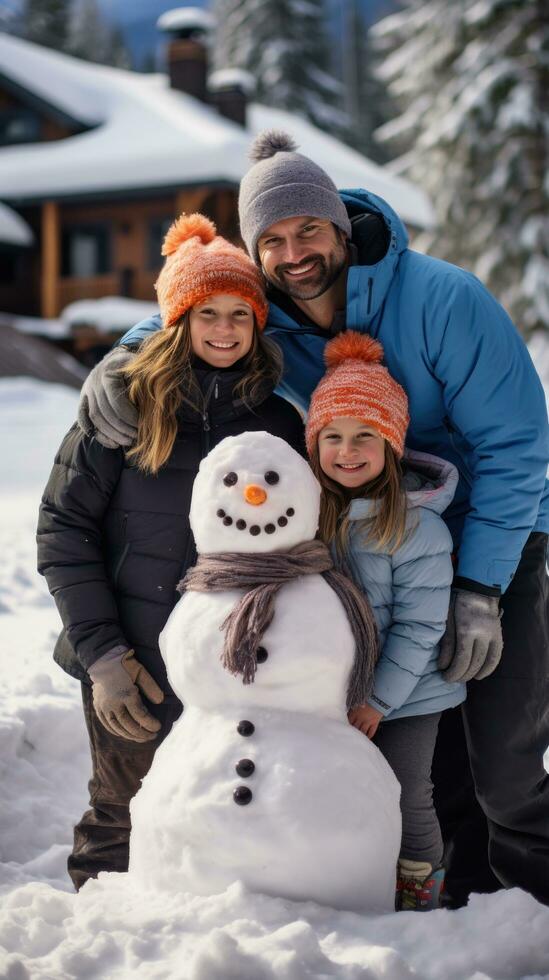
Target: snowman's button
(245,768)
(261,655)
(245,728)
(242,795)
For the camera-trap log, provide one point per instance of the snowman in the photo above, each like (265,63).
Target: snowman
(263,779)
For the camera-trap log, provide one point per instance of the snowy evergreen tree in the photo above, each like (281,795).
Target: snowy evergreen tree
(284,45)
(46,22)
(473,79)
(367,100)
(90,37)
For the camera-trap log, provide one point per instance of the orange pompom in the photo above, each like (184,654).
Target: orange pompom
(188,226)
(352,346)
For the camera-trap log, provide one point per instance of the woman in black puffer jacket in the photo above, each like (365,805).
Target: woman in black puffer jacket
(113,534)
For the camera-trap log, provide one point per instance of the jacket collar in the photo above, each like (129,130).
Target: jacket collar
(428,481)
(218,401)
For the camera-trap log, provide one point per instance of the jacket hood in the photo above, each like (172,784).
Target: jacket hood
(367,285)
(428,481)
(360,202)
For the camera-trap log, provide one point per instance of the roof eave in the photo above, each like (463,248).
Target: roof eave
(118,193)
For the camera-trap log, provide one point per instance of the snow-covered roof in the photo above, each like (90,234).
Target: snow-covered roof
(35,325)
(109,314)
(186,18)
(231,78)
(148,135)
(13,230)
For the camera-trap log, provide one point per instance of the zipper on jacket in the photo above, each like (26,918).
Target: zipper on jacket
(213,390)
(370,290)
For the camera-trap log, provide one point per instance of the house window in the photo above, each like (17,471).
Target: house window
(86,250)
(156,234)
(9,265)
(18,126)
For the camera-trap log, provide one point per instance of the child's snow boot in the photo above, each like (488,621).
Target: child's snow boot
(418,886)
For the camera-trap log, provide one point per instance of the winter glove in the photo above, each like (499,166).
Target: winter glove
(116,678)
(472,645)
(105,410)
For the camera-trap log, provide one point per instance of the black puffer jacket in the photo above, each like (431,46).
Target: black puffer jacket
(113,543)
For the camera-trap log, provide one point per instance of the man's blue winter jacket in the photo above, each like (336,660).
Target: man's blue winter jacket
(475,397)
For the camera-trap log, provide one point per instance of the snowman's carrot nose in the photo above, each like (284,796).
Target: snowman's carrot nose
(254,495)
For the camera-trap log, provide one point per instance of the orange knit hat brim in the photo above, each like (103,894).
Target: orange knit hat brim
(357,385)
(199,263)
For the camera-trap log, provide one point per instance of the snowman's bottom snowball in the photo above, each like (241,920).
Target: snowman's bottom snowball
(323,823)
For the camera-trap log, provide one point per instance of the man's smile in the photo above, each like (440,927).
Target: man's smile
(301,270)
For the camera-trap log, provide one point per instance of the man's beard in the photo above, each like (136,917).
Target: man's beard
(323,275)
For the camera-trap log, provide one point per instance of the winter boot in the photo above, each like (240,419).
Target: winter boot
(418,886)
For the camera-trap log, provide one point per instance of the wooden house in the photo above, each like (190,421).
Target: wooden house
(96,162)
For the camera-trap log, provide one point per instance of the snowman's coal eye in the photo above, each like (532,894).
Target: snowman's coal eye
(271,477)
(230,479)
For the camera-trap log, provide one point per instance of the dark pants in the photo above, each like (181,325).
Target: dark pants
(492,749)
(101,838)
(408,745)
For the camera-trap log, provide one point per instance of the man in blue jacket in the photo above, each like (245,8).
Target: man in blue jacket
(336,261)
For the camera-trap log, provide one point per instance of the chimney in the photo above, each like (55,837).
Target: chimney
(230,90)
(188,28)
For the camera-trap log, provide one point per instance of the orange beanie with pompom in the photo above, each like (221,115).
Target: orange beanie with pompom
(357,385)
(200,263)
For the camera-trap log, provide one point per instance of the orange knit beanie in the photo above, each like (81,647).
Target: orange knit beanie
(356,385)
(200,263)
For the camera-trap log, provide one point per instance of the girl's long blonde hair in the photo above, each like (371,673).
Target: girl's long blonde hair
(386,529)
(161,378)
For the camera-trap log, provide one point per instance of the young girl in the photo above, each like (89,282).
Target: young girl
(113,535)
(381,511)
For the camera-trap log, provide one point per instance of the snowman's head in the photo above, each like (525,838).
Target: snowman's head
(253,493)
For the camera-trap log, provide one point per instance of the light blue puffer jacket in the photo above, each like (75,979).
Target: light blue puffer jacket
(410,592)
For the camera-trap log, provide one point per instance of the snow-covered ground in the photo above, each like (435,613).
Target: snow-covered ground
(112,931)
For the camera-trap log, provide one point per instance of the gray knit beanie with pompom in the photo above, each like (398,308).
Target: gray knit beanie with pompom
(284,184)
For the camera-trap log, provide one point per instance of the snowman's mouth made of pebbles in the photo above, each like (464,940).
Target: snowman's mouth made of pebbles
(254,495)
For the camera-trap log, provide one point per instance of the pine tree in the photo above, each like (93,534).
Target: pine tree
(283,44)
(473,80)
(46,22)
(118,54)
(90,37)
(367,100)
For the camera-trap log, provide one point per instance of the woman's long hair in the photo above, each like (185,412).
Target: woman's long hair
(386,529)
(161,378)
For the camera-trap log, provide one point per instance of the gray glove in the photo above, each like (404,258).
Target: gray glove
(472,645)
(105,410)
(116,677)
